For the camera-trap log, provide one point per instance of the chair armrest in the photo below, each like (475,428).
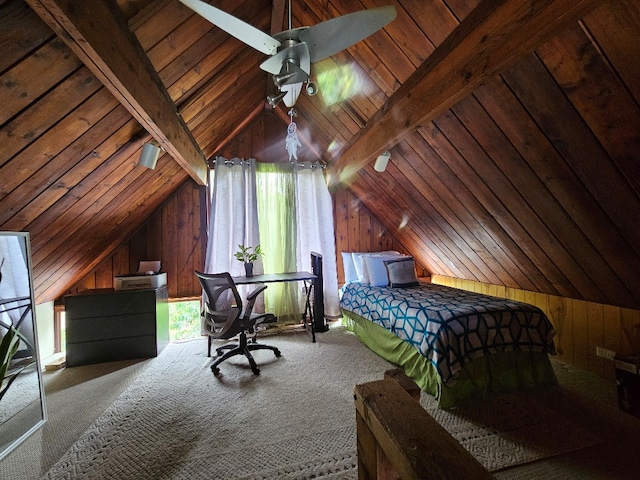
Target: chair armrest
(256,292)
(251,300)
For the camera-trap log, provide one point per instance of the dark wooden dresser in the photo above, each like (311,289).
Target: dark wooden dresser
(105,325)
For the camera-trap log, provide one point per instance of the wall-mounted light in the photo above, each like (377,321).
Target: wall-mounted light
(149,155)
(381,161)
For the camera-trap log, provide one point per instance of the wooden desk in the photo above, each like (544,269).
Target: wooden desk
(309,280)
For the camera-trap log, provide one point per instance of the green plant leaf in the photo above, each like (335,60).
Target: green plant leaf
(8,348)
(245,255)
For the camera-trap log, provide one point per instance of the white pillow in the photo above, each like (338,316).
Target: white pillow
(375,271)
(360,266)
(357,264)
(349,268)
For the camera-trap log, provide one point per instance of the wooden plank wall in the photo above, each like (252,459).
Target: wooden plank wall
(264,140)
(176,233)
(581,326)
(173,234)
(357,230)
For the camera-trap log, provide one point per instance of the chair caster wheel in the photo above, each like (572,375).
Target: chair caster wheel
(256,371)
(215,370)
(277,352)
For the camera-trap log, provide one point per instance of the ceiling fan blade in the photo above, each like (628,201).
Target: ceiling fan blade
(235,27)
(299,53)
(330,37)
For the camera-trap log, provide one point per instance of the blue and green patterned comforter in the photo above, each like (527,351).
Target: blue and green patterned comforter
(451,326)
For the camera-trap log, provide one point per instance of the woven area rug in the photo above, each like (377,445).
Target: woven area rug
(295,420)
(505,430)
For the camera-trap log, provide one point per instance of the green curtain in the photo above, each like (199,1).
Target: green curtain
(275,185)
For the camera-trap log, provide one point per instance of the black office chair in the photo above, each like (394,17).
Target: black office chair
(224,318)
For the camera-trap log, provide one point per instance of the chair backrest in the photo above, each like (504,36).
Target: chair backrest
(223,300)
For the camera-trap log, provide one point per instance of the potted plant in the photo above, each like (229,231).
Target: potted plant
(248,255)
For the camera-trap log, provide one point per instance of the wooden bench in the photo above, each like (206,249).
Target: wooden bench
(398,439)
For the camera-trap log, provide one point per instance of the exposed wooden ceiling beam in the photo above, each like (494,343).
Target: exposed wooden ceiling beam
(98,34)
(493,36)
(277,16)
(277,20)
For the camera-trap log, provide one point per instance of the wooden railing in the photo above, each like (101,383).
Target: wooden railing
(398,439)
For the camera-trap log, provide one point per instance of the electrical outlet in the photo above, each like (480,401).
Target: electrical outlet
(605,353)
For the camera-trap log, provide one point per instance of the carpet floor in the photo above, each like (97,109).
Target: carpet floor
(174,419)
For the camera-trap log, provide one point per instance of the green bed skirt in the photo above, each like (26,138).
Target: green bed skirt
(501,372)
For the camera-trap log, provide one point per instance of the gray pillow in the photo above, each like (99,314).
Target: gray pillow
(402,272)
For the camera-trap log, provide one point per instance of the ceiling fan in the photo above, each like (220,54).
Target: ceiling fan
(294,50)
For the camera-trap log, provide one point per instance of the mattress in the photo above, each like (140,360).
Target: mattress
(452,327)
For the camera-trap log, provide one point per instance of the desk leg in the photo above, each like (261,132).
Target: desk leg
(308,310)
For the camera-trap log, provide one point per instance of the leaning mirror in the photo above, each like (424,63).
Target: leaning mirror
(22,409)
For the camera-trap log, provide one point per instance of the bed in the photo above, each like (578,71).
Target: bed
(453,343)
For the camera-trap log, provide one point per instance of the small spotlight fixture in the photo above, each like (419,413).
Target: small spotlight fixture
(382,161)
(312,88)
(149,155)
(283,78)
(274,100)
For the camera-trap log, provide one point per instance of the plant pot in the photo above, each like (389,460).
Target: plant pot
(248,268)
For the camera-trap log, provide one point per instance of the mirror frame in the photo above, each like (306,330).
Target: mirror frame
(29,416)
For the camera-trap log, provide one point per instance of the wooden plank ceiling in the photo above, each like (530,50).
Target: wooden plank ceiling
(513,128)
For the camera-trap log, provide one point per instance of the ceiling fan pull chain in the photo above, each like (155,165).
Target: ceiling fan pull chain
(292,142)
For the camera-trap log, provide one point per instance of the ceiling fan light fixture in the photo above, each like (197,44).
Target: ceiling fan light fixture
(283,78)
(275,99)
(289,74)
(312,88)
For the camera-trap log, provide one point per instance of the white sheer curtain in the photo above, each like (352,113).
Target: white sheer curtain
(233,216)
(233,220)
(314,215)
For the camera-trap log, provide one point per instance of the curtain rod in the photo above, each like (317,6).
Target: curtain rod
(233,161)
(242,161)
(311,165)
